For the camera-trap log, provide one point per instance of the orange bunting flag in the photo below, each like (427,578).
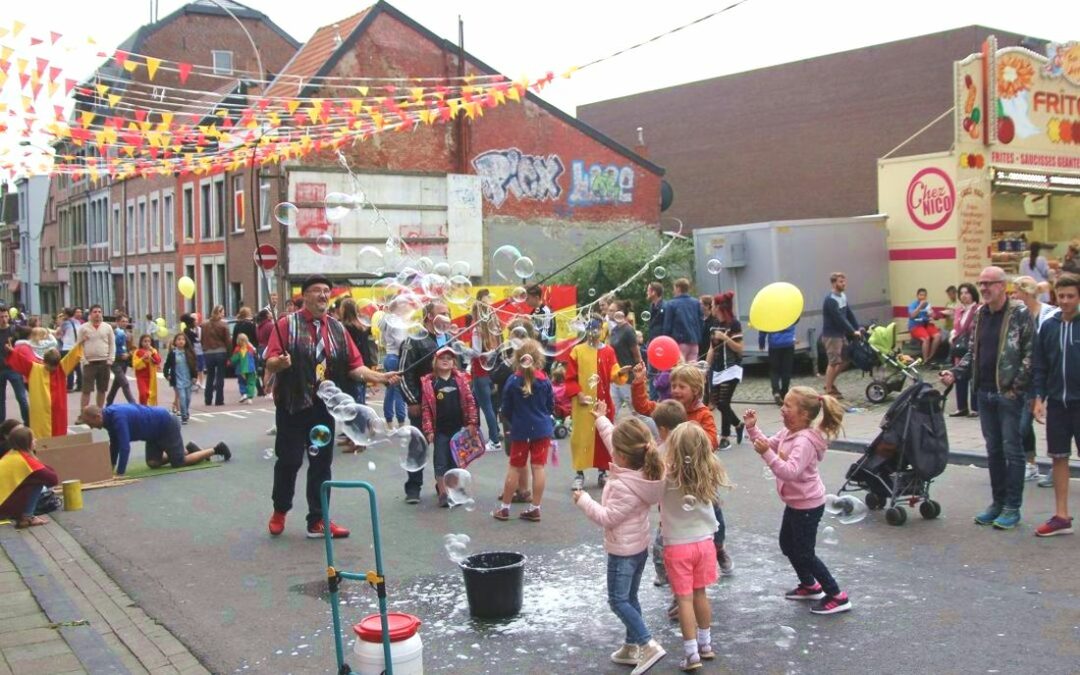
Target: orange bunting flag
(152,65)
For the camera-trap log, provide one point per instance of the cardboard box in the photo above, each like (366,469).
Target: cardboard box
(80,459)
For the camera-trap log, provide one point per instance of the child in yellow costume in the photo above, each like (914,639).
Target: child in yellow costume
(46,383)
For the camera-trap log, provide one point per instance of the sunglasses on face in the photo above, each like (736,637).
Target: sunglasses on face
(984,284)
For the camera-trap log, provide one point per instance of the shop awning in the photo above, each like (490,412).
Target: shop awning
(1032,181)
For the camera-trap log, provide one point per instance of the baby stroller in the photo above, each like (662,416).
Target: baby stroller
(889,369)
(910,451)
(562,412)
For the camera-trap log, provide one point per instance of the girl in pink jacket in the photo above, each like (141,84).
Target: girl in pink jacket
(793,456)
(635,483)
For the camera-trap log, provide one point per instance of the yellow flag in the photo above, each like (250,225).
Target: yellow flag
(291,105)
(102,89)
(16,28)
(113,100)
(363,90)
(512,94)
(152,65)
(131,65)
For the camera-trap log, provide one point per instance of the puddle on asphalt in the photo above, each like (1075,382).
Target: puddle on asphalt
(565,621)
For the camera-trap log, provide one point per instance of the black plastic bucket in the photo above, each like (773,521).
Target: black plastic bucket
(494,583)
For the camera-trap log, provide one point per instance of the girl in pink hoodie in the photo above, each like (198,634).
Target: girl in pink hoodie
(635,483)
(793,456)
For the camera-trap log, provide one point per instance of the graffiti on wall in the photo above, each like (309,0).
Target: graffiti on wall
(512,172)
(601,184)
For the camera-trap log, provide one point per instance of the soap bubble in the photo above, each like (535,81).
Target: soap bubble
(458,484)
(404,311)
(442,324)
(689,502)
(524,267)
(577,327)
(327,388)
(370,260)
(592,292)
(503,260)
(701,365)
(828,536)
(518,294)
(365,427)
(461,268)
(442,269)
(457,546)
(320,435)
(847,509)
(285,213)
(518,336)
(313,450)
(346,412)
(594,381)
(659,272)
(415,448)
(526,361)
(371,466)
(459,290)
(434,285)
(646,315)
(425,265)
(787,637)
(338,205)
(714,266)
(416,332)
(324,242)
(268,453)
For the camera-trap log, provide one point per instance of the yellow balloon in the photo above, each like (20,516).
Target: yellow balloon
(776,307)
(13,313)
(162,332)
(160,322)
(186,287)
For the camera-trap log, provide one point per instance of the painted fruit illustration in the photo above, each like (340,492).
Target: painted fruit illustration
(1006,130)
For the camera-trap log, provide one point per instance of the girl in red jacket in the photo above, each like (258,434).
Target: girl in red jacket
(146,361)
(793,456)
(447,406)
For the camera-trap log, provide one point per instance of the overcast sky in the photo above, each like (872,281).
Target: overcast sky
(532,38)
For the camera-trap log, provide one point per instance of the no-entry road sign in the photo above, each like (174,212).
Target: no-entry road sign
(266,257)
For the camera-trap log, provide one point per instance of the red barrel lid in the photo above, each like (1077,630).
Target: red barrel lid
(401,627)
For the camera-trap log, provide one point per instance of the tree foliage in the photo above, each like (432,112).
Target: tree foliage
(610,265)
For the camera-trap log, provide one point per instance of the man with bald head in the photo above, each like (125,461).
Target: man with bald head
(999,365)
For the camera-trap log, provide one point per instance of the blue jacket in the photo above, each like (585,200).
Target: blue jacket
(127,422)
(779,339)
(1056,360)
(836,322)
(529,416)
(682,319)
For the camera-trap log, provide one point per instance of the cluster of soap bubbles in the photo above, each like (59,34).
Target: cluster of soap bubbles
(457,546)
(363,426)
(510,265)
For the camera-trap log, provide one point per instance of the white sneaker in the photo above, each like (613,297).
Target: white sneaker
(1032,472)
(272,431)
(494,447)
(244,399)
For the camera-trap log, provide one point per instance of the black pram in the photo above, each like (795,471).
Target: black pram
(910,451)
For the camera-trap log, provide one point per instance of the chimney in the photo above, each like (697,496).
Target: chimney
(640,148)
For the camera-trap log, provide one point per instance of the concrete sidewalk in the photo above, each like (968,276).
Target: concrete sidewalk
(60,613)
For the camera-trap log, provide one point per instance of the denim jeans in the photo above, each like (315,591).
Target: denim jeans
(393,401)
(18,385)
(1027,429)
(721,529)
(32,501)
(481,387)
(623,581)
(798,537)
(1000,420)
(620,394)
(215,379)
(183,397)
(963,393)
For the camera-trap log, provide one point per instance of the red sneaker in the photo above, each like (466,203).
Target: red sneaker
(336,531)
(277,523)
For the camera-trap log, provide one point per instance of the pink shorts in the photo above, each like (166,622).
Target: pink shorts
(690,566)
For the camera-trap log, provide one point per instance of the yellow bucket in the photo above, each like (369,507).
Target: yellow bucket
(72,495)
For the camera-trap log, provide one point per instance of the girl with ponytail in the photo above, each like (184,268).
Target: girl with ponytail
(635,484)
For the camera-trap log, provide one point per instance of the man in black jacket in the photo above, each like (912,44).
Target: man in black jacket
(417,355)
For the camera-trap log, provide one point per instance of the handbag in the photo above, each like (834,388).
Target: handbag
(466,445)
(960,347)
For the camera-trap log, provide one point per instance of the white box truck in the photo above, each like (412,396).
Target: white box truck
(803,253)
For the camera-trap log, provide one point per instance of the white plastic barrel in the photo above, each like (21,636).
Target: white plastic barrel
(406,647)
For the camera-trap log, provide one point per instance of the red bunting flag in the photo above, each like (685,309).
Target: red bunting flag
(185,70)
(54,37)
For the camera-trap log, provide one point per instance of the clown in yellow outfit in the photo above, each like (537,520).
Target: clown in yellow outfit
(46,383)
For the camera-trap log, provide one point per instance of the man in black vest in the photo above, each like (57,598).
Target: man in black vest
(317,348)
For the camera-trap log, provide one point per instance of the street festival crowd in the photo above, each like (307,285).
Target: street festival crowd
(639,392)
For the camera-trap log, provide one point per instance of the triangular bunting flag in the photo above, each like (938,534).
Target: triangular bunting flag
(184,70)
(152,65)
(54,37)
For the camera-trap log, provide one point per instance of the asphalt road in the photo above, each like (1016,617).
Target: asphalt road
(931,596)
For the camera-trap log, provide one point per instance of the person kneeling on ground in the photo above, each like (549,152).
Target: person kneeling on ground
(160,429)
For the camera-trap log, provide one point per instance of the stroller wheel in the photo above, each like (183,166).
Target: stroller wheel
(896,515)
(877,392)
(873,501)
(561,431)
(930,509)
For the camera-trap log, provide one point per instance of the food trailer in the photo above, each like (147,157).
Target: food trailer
(1011,178)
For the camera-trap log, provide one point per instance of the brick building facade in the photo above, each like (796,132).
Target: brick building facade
(798,140)
(124,243)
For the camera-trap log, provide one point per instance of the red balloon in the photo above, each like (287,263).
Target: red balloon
(663,353)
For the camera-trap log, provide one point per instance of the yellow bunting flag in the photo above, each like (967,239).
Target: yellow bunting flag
(131,65)
(363,90)
(152,65)
(113,100)
(291,105)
